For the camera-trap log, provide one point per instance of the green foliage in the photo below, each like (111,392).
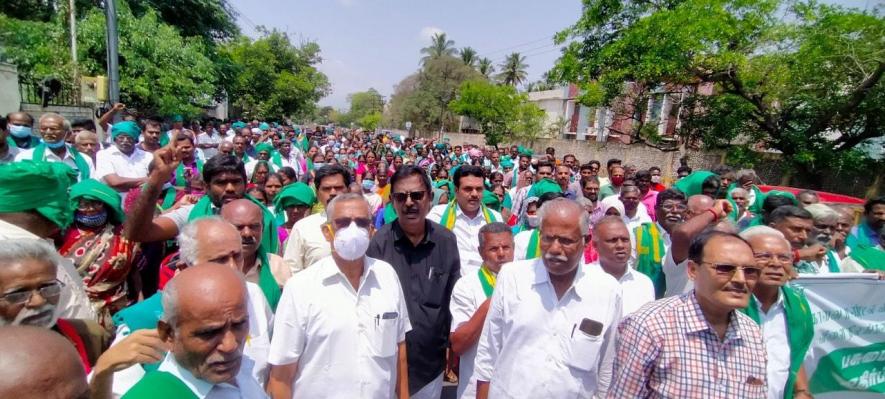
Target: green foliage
(211,19)
(370,121)
(274,76)
(365,103)
(499,110)
(468,55)
(513,70)
(38,48)
(440,46)
(804,79)
(485,67)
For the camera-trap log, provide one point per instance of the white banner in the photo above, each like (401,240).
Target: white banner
(847,355)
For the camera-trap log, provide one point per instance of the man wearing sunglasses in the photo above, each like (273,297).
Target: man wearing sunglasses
(719,350)
(782,313)
(425,256)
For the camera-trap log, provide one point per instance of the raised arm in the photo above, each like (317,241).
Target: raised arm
(141,226)
(683,234)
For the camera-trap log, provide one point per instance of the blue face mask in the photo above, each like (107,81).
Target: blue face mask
(57,144)
(317,165)
(368,185)
(99,219)
(20,131)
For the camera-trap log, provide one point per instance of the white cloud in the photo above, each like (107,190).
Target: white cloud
(427,33)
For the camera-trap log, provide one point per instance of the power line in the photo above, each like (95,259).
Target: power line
(549,37)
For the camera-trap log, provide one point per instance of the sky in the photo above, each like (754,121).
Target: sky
(377,43)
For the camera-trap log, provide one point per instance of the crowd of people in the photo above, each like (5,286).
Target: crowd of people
(260,259)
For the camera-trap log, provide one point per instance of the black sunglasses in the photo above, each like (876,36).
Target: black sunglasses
(751,272)
(414,195)
(342,223)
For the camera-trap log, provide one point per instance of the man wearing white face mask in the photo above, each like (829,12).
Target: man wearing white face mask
(343,320)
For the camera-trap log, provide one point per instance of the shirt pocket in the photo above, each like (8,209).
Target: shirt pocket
(584,351)
(384,335)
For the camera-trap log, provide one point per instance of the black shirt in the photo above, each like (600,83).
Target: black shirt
(427,273)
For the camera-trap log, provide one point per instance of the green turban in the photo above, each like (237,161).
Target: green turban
(778,193)
(95,190)
(491,200)
(524,151)
(264,147)
(507,163)
(128,128)
(263,126)
(177,118)
(41,186)
(238,125)
(544,186)
(446,183)
(294,194)
(693,183)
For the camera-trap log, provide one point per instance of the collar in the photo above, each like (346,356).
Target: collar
(542,276)
(778,303)
(116,151)
(664,234)
(400,235)
(329,269)
(695,320)
(199,387)
(459,213)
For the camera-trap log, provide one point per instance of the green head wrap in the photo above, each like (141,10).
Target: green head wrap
(128,128)
(294,194)
(238,125)
(446,183)
(693,183)
(263,126)
(264,147)
(177,118)
(779,193)
(491,200)
(524,151)
(92,189)
(40,186)
(544,186)
(506,163)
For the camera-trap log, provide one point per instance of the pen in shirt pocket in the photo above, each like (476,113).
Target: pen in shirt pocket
(430,273)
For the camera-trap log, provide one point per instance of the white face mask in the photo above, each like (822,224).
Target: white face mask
(533,220)
(47,315)
(655,179)
(352,242)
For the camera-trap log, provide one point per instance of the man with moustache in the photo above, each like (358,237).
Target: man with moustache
(151,135)
(782,313)
(123,166)
(653,241)
(720,351)
(611,238)
(551,325)
(54,128)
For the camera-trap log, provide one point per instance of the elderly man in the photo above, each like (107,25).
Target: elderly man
(260,266)
(720,350)
(612,241)
(342,323)
(466,215)
(550,328)
(307,244)
(653,238)
(796,224)
(206,325)
(746,179)
(782,312)
(823,228)
(87,143)
(635,213)
(425,257)
(54,128)
(20,126)
(29,352)
(471,298)
(123,166)
(34,204)
(226,148)
(205,240)
(675,266)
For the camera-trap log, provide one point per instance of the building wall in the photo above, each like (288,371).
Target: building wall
(10,98)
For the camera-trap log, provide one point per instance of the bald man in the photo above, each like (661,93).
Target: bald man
(38,363)
(698,204)
(205,324)
(259,266)
(87,143)
(611,238)
(226,148)
(551,325)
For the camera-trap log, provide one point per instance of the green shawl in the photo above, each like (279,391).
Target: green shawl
(869,257)
(32,142)
(862,236)
(180,181)
(800,329)
(159,384)
(266,280)
(449,215)
(82,166)
(693,183)
(269,236)
(650,252)
(533,250)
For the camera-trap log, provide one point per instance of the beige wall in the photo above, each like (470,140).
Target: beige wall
(10,98)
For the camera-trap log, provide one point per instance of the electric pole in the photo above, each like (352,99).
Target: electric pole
(113,66)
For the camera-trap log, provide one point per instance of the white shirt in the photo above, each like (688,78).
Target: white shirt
(640,218)
(532,345)
(306,244)
(637,288)
(11,152)
(676,276)
(50,156)
(73,302)
(205,138)
(774,332)
(467,233)
(467,296)
(246,386)
(255,350)
(521,244)
(345,341)
(113,161)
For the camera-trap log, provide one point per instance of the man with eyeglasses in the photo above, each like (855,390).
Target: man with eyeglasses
(551,324)
(653,240)
(341,325)
(424,255)
(675,266)
(697,345)
(54,129)
(782,313)
(123,166)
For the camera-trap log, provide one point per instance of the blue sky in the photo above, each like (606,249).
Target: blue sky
(376,43)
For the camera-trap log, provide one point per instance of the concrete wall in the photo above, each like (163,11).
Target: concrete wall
(69,112)
(10,98)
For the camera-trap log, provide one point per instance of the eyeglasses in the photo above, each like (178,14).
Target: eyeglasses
(750,272)
(342,223)
(768,257)
(49,291)
(674,207)
(414,195)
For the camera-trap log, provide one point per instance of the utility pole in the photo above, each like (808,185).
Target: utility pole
(113,65)
(72,14)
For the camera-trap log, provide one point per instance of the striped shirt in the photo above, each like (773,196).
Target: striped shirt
(667,349)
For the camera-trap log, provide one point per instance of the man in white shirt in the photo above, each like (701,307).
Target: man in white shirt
(466,215)
(471,298)
(54,128)
(307,244)
(551,327)
(205,324)
(208,141)
(698,218)
(123,166)
(612,241)
(635,212)
(342,324)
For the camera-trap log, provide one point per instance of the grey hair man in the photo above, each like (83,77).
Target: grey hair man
(574,353)
(53,129)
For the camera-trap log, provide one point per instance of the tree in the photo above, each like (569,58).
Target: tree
(804,79)
(370,121)
(439,46)
(211,19)
(513,70)
(485,67)
(499,109)
(468,55)
(275,77)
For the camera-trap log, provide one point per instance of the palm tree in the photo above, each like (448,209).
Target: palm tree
(439,46)
(485,67)
(468,55)
(513,69)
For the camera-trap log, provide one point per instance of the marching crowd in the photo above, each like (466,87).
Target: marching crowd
(253,259)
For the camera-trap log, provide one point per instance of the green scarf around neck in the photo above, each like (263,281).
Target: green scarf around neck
(159,384)
(180,181)
(650,252)
(269,236)
(534,248)
(266,280)
(82,166)
(800,329)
